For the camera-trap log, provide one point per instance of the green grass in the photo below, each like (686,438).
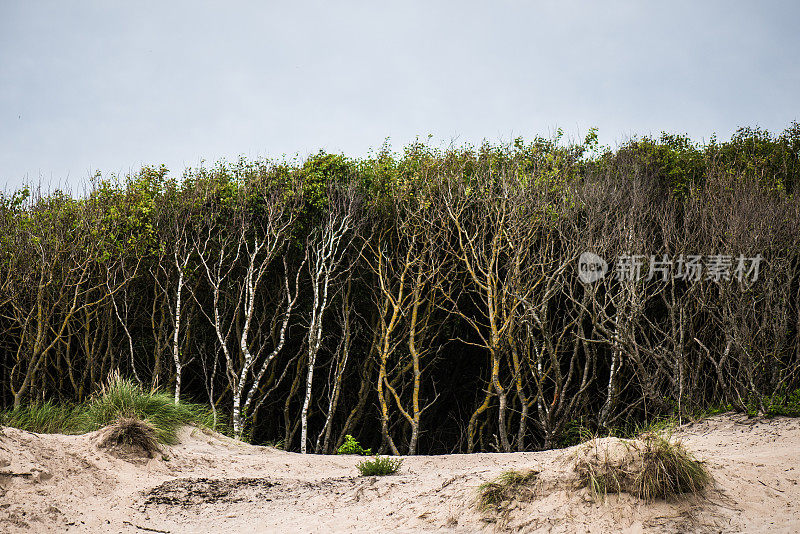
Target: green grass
(711,411)
(122,398)
(118,398)
(379,466)
(781,403)
(508,487)
(658,425)
(46,418)
(784,404)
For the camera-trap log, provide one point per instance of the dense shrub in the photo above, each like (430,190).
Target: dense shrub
(426,301)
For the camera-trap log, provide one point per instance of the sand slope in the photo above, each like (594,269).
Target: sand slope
(209,483)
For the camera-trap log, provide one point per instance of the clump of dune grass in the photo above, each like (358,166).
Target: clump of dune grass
(132,433)
(604,465)
(46,418)
(379,466)
(117,398)
(122,398)
(650,467)
(602,480)
(510,486)
(667,470)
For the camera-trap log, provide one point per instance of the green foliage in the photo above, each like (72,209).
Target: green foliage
(784,404)
(673,159)
(318,172)
(379,466)
(124,212)
(509,487)
(17,200)
(756,153)
(351,446)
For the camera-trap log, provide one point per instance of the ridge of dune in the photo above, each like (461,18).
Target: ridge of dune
(211,483)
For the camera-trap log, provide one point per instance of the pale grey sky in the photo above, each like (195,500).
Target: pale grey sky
(114,85)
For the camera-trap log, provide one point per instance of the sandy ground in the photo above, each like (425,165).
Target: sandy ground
(209,483)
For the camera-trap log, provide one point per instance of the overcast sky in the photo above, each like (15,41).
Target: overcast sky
(111,86)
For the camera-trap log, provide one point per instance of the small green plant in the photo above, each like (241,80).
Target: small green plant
(379,466)
(351,446)
(510,486)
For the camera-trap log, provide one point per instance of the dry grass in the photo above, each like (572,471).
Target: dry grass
(668,470)
(131,433)
(508,487)
(651,467)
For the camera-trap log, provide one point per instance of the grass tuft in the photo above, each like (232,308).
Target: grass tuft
(131,432)
(118,398)
(123,398)
(667,470)
(511,485)
(602,480)
(650,467)
(379,466)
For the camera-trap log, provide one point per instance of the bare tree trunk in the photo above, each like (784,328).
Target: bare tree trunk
(327,252)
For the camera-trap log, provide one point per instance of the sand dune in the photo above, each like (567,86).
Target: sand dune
(209,483)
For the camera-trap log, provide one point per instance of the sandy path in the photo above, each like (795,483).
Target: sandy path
(209,483)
